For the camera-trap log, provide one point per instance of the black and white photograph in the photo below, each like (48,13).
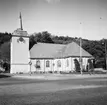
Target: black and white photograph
(53,52)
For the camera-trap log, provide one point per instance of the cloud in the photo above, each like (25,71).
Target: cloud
(53,1)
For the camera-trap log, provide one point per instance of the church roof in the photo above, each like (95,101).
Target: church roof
(47,50)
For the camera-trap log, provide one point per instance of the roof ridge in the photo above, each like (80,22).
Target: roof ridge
(51,43)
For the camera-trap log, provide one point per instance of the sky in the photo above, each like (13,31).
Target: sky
(74,18)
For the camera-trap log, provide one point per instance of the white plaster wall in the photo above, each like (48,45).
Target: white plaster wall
(33,68)
(20,69)
(56,68)
(50,67)
(20,51)
(72,64)
(68,68)
(53,64)
(42,68)
(42,64)
(63,65)
(19,55)
(85,61)
(33,65)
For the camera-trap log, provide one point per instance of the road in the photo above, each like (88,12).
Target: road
(82,91)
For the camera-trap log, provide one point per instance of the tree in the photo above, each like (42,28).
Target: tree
(90,65)
(5,37)
(46,37)
(96,48)
(62,39)
(32,41)
(5,51)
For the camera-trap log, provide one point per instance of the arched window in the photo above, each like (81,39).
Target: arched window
(59,63)
(38,64)
(67,62)
(47,64)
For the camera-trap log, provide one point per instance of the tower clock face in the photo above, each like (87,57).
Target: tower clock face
(21,39)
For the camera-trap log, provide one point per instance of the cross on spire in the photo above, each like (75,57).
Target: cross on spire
(21,27)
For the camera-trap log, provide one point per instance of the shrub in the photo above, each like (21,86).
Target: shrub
(77,65)
(90,64)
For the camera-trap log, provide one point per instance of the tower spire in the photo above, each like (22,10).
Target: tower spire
(21,22)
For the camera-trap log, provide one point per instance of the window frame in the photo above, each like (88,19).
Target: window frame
(47,63)
(38,64)
(59,63)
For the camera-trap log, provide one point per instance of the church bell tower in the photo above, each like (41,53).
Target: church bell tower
(20,50)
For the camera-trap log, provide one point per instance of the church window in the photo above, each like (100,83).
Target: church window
(38,64)
(47,64)
(59,63)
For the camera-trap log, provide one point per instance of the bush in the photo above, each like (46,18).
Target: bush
(90,66)
(77,65)
(101,63)
(50,72)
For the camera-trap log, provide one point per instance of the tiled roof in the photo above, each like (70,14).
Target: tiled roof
(47,50)
(73,49)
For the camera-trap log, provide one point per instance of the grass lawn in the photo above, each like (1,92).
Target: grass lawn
(88,91)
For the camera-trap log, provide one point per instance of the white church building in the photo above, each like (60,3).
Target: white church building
(44,57)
